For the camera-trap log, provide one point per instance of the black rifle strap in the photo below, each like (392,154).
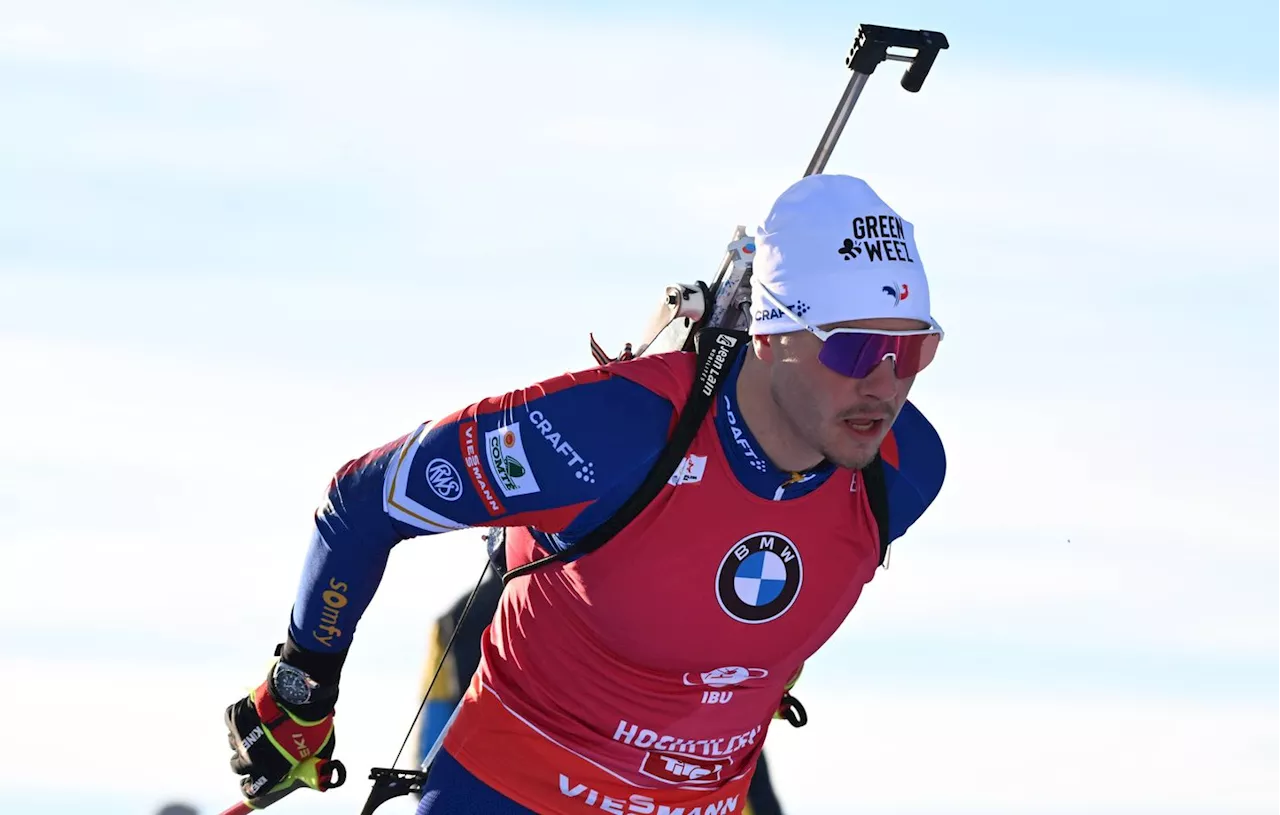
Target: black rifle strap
(716,349)
(878,498)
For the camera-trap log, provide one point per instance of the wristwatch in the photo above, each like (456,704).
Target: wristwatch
(292,685)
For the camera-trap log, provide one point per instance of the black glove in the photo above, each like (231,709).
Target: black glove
(282,734)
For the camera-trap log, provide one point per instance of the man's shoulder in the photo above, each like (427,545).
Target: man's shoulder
(915,467)
(669,374)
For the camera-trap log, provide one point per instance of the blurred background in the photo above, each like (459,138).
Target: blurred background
(242,243)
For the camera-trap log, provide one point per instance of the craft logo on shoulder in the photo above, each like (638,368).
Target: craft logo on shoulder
(879,238)
(470,444)
(444,479)
(759,578)
(583,470)
(508,461)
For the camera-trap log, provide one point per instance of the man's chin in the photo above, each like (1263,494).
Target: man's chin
(855,450)
(853,458)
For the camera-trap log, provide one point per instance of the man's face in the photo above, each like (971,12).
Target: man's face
(844,419)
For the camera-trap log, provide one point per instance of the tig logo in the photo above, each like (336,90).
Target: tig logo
(681,768)
(897,295)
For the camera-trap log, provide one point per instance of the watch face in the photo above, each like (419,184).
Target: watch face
(291,684)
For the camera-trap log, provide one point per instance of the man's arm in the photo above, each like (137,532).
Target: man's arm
(560,455)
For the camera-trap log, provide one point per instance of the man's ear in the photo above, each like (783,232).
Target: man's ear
(762,344)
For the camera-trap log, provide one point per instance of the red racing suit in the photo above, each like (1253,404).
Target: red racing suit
(642,677)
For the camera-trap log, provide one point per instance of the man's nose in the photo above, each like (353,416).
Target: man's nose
(881,384)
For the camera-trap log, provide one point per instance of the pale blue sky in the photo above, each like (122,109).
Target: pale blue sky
(1152,38)
(241,243)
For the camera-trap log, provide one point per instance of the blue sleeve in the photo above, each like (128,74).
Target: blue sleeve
(559,456)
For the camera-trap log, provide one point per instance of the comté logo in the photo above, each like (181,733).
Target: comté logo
(678,768)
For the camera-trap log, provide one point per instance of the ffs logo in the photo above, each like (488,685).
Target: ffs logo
(897,294)
(759,578)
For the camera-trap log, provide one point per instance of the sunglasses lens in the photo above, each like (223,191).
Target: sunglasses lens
(857,355)
(915,353)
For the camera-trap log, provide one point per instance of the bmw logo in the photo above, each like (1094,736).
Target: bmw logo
(759,578)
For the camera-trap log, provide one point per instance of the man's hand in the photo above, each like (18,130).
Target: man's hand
(282,737)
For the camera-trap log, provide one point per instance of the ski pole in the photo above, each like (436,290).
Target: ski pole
(870,48)
(319,774)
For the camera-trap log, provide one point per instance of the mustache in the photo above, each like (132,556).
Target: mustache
(885,412)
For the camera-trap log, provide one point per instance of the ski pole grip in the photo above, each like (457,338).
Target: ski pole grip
(871,47)
(913,79)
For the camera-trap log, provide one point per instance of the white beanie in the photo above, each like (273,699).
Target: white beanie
(831,250)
